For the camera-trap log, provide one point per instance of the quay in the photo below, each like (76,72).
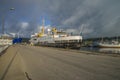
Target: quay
(24,62)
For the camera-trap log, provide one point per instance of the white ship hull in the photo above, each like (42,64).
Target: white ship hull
(69,41)
(66,42)
(109,45)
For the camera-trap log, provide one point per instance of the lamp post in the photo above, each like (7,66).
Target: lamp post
(3,20)
(3,23)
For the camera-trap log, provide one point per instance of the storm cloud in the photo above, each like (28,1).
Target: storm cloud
(98,18)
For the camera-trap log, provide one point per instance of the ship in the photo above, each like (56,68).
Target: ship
(56,38)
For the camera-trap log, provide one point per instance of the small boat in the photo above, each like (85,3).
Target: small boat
(112,44)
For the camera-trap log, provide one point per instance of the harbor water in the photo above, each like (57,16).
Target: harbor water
(102,50)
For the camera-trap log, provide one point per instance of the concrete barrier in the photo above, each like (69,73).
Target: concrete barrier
(2,49)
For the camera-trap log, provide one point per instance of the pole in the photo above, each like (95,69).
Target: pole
(3,21)
(3,24)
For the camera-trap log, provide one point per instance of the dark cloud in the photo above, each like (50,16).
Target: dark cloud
(99,17)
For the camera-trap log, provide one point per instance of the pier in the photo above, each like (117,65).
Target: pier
(24,62)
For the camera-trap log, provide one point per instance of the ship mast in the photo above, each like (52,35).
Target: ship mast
(43,23)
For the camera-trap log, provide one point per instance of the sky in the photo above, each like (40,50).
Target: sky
(94,18)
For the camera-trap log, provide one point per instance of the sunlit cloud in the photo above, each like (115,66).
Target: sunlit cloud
(24,25)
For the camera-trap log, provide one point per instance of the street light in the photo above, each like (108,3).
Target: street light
(3,21)
(12,8)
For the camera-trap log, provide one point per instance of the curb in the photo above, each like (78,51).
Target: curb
(3,50)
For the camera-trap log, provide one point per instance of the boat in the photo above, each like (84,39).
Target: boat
(5,40)
(56,38)
(112,44)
